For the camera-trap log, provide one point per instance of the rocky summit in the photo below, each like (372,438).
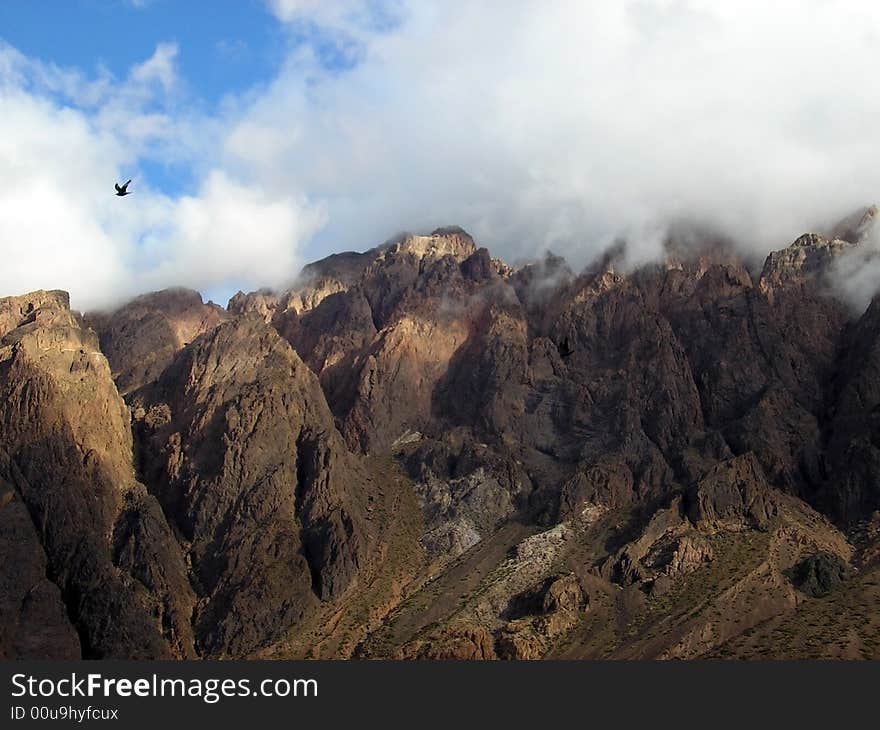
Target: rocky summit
(421,452)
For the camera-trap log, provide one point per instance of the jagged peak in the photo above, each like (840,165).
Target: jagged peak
(170,299)
(856,226)
(37,298)
(450,231)
(807,257)
(446,241)
(810,242)
(24,308)
(346,266)
(550,265)
(264,301)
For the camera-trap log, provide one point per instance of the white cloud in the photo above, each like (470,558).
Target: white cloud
(158,68)
(533,123)
(228,234)
(289,10)
(51,233)
(349,15)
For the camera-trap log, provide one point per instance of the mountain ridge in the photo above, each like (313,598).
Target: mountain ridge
(395,458)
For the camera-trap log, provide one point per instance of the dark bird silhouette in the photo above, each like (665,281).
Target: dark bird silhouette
(564,348)
(123,189)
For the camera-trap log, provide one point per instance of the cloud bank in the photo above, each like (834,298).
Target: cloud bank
(566,124)
(534,124)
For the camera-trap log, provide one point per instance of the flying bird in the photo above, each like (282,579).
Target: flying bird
(564,348)
(122,189)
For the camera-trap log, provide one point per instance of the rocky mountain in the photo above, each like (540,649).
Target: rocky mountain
(421,452)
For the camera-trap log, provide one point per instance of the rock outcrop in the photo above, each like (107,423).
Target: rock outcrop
(106,550)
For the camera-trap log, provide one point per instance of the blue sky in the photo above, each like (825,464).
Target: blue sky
(262,134)
(225,46)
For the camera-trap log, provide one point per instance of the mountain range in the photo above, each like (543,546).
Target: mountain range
(419,451)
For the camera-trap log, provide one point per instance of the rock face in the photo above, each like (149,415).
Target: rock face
(35,624)
(240,448)
(852,432)
(107,558)
(141,338)
(419,451)
(229,538)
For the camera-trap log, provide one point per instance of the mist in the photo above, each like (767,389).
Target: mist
(855,276)
(566,125)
